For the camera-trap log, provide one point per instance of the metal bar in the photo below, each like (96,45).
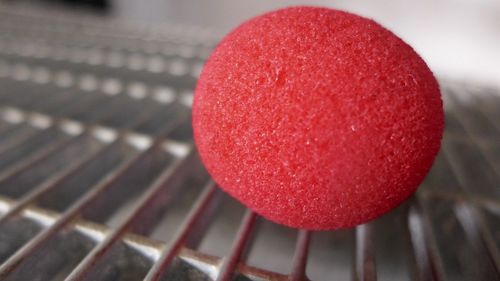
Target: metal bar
(77,103)
(36,158)
(90,126)
(56,99)
(197,212)
(473,97)
(164,132)
(51,184)
(487,237)
(87,107)
(173,115)
(459,196)
(300,256)
(489,109)
(74,45)
(52,58)
(113,107)
(12,143)
(427,259)
(138,213)
(475,139)
(469,214)
(96,43)
(238,248)
(141,118)
(32,157)
(476,233)
(105,32)
(35,243)
(365,269)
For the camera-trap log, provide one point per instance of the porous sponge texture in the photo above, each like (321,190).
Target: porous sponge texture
(317,118)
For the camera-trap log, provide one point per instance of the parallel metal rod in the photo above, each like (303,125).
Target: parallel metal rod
(87,35)
(488,114)
(14,99)
(46,99)
(99,44)
(140,209)
(6,126)
(428,264)
(460,196)
(94,193)
(164,132)
(470,220)
(491,250)
(77,104)
(69,62)
(147,115)
(364,267)
(87,126)
(52,183)
(29,162)
(66,100)
(300,256)
(151,117)
(96,125)
(88,107)
(19,139)
(52,40)
(238,248)
(12,143)
(110,112)
(477,144)
(487,238)
(33,159)
(170,252)
(109,70)
(110,33)
(477,104)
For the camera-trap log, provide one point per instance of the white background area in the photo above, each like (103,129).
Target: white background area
(459,39)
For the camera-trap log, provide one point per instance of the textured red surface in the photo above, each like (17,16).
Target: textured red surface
(317,118)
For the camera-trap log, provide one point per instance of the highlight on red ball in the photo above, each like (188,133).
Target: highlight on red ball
(316,118)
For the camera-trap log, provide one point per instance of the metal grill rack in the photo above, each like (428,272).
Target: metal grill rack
(99,179)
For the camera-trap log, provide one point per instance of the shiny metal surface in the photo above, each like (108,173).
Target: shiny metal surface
(99,179)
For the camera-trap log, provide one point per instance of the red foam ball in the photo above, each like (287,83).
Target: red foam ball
(317,118)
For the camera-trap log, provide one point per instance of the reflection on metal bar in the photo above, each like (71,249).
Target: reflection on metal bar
(197,212)
(35,243)
(427,265)
(51,183)
(36,158)
(486,236)
(300,256)
(238,248)
(68,26)
(140,211)
(364,254)
(476,232)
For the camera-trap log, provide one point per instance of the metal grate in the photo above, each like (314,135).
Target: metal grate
(99,179)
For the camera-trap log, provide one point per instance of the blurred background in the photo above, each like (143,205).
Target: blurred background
(457,38)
